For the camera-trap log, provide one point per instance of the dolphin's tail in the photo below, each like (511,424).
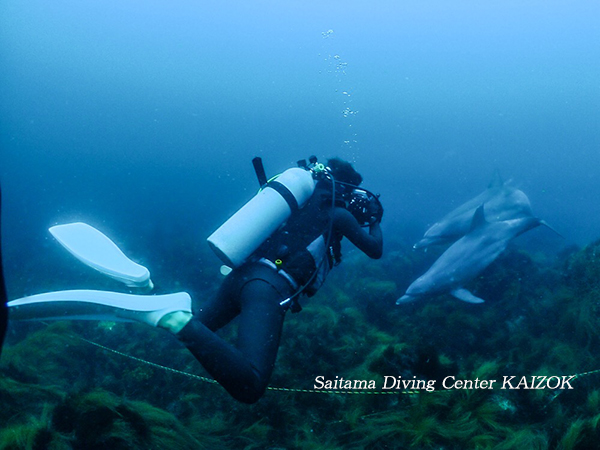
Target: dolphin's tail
(3,298)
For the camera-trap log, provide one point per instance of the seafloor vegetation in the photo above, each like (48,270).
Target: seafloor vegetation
(541,317)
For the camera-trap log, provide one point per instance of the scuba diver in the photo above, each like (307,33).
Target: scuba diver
(3,307)
(281,245)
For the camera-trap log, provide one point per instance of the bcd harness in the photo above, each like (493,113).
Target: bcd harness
(305,248)
(302,250)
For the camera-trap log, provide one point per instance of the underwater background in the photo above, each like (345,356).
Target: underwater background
(141,119)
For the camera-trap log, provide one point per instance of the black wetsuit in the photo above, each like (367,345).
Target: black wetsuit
(3,299)
(254,292)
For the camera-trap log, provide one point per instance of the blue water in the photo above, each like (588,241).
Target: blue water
(141,117)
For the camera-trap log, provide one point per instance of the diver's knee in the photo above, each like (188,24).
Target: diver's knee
(251,392)
(249,396)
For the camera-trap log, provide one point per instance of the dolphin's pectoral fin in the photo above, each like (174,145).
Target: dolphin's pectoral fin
(466,296)
(543,222)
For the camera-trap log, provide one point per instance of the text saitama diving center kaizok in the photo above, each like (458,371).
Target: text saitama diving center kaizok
(450,382)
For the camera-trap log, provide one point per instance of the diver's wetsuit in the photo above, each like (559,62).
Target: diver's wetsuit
(254,292)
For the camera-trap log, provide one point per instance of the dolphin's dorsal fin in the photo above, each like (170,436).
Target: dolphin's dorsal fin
(478,218)
(496,180)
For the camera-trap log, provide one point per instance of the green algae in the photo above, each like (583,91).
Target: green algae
(101,420)
(34,435)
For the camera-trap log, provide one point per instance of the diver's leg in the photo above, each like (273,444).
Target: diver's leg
(243,371)
(216,313)
(225,306)
(260,326)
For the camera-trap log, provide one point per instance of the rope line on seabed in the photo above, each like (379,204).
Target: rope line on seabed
(271,388)
(283,389)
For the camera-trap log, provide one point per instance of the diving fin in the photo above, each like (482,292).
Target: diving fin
(99,305)
(96,250)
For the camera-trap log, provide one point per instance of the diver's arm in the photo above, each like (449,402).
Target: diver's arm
(375,233)
(370,243)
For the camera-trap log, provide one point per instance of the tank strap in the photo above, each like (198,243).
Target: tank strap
(285,193)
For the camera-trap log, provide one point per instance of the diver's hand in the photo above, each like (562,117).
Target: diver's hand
(375,211)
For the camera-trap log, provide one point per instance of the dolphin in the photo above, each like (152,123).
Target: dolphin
(3,298)
(502,202)
(467,257)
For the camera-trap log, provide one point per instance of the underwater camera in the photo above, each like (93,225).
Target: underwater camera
(365,207)
(361,203)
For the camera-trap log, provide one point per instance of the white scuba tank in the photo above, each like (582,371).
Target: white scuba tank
(249,227)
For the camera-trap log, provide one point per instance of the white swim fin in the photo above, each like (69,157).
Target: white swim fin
(98,305)
(96,250)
